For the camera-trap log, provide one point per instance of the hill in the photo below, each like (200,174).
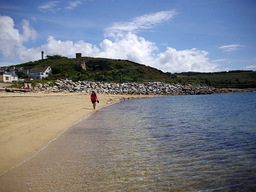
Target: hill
(99,69)
(117,70)
(231,79)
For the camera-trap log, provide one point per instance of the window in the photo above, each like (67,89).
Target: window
(7,78)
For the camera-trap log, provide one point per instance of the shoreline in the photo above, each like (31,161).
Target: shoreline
(31,121)
(146,88)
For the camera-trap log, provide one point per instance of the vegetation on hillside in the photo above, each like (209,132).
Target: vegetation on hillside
(116,70)
(238,78)
(99,69)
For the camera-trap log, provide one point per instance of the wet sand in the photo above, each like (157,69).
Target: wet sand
(29,121)
(69,163)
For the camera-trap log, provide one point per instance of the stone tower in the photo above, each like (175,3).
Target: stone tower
(42,55)
(78,55)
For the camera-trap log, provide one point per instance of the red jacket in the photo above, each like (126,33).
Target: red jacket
(94,97)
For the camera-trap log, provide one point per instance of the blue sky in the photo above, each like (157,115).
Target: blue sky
(171,35)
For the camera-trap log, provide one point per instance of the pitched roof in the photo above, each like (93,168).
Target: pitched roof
(7,73)
(38,69)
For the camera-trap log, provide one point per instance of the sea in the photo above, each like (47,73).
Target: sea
(167,143)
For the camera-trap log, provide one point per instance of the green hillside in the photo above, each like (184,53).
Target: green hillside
(116,70)
(238,78)
(99,69)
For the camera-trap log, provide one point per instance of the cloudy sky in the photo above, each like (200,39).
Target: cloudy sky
(171,35)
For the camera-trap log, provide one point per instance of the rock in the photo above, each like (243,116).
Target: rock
(147,88)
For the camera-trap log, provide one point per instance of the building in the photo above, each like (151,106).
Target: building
(78,55)
(17,69)
(14,77)
(40,72)
(5,77)
(25,72)
(3,68)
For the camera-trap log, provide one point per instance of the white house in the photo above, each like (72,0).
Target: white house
(40,72)
(5,77)
(14,77)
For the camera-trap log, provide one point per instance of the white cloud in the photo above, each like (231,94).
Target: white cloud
(219,60)
(143,22)
(73,4)
(185,60)
(50,6)
(11,41)
(28,32)
(134,48)
(53,6)
(128,46)
(121,46)
(228,48)
(137,49)
(68,48)
(250,67)
(53,47)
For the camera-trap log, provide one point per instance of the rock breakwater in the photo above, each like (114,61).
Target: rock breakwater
(147,88)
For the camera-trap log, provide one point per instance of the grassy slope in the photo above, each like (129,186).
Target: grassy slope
(100,69)
(112,70)
(226,79)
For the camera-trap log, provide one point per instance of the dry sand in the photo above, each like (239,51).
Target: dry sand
(28,121)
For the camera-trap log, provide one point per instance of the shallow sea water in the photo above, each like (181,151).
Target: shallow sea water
(176,143)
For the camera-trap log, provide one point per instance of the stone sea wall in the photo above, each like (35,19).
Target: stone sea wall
(148,88)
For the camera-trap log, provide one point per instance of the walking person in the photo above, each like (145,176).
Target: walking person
(94,99)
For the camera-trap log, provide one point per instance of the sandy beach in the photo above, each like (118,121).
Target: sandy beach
(28,121)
